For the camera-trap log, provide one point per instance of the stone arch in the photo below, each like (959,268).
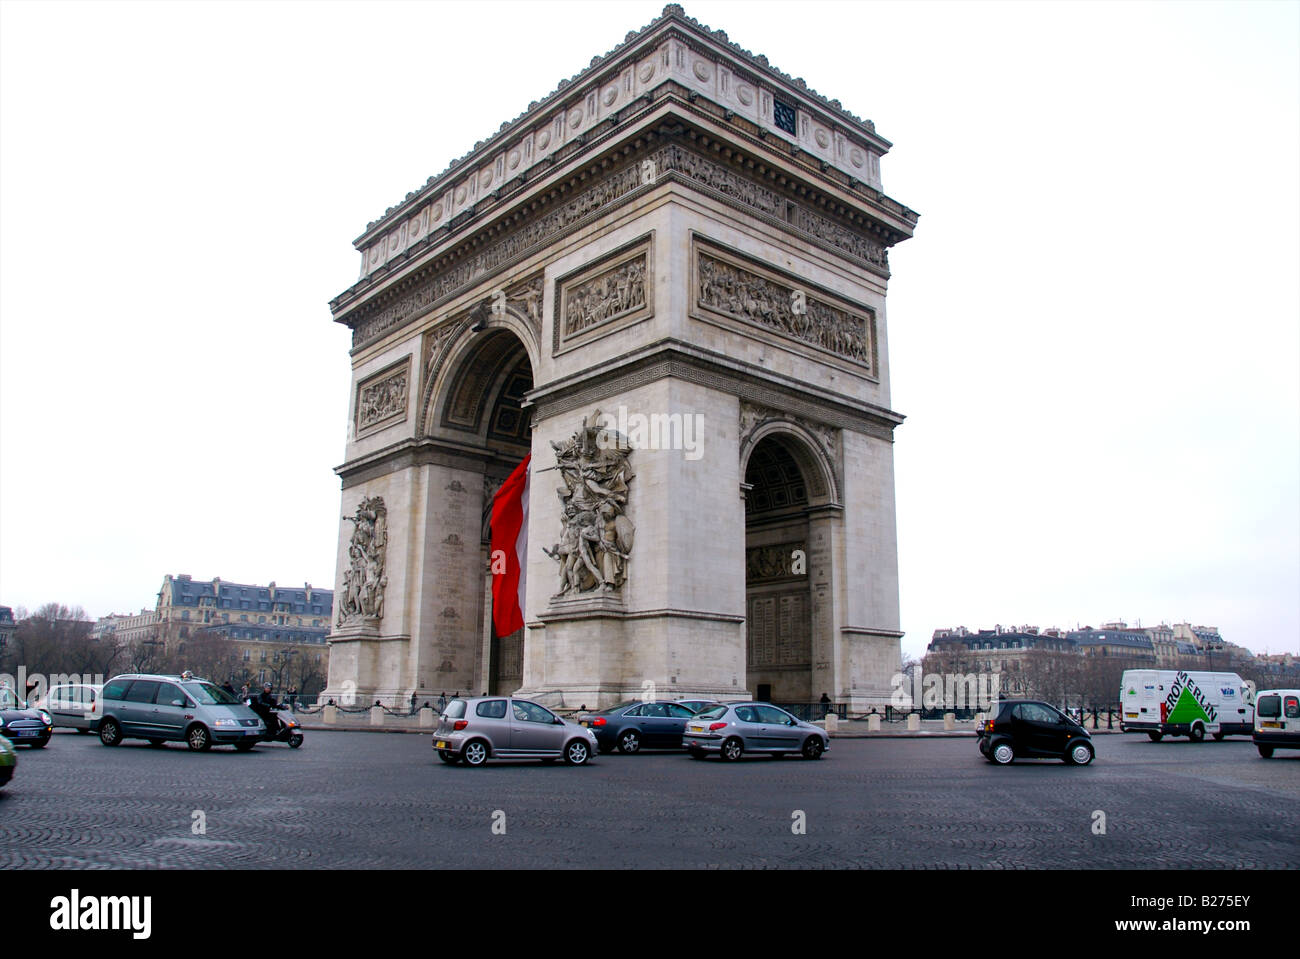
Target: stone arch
(465,338)
(807,450)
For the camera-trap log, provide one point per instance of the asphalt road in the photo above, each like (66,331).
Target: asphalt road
(364,800)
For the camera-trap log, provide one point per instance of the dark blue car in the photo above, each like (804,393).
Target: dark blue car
(633,726)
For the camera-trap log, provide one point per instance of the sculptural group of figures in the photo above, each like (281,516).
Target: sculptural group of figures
(740,293)
(596,543)
(364,579)
(607,295)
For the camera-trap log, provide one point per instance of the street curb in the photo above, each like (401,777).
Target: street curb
(922,734)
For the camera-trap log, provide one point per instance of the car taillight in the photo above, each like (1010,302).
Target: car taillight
(714,727)
(598,721)
(988,725)
(460,724)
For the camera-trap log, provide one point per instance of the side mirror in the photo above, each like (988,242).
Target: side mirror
(178,702)
(558,721)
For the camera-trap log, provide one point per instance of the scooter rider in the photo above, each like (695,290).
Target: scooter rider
(266,709)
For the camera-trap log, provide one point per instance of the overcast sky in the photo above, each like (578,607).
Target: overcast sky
(1094,334)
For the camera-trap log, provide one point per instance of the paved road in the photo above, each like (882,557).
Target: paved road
(365,800)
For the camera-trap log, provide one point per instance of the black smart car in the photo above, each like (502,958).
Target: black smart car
(1027,729)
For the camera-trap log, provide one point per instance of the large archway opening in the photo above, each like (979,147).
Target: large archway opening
(778,597)
(482,411)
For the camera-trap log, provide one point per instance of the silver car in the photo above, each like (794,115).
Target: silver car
(72,706)
(500,727)
(174,709)
(732,729)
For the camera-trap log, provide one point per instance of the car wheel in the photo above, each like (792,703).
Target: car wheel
(1197,733)
(110,733)
(629,741)
(732,749)
(1218,737)
(1080,754)
(448,756)
(577,753)
(1155,737)
(1003,754)
(245,745)
(475,753)
(1266,751)
(199,739)
(813,747)
(295,740)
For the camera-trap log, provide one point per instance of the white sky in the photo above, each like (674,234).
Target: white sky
(1095,333)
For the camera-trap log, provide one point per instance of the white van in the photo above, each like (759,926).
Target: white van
(1277,721)
(73,705)
(1176,702)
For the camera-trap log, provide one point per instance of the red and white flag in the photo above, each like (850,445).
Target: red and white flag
(510,550)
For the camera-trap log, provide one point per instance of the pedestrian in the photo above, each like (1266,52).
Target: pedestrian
(442,703)
(412,702)
(243,691)
(293,696)
(825,704)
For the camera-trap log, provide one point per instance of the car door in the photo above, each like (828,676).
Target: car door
(675,724)
(1039,731)
(137,708)
(657,729)
(780,729)
(168,719)
(534,729)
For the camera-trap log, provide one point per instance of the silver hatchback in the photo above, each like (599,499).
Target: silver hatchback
(500,727)
(732,729)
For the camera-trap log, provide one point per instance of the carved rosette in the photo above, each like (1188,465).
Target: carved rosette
(596,536)
(364,582)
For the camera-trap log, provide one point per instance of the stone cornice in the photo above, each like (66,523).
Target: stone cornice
(436,271)
(671,24)
(680,360)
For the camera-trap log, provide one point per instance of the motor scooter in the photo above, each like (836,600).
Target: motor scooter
(288,730)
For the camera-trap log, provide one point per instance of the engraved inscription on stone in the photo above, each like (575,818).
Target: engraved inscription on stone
(779,630)
(384,397)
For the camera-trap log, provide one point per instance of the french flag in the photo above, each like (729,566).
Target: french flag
(510,541)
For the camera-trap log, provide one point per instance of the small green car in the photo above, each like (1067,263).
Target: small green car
(8,761)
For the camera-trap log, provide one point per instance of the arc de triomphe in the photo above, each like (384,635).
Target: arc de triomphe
(666,282)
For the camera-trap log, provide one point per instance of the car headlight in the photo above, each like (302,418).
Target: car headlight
(45,718)
(226,722)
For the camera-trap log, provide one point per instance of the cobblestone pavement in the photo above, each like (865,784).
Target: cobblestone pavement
(362,800)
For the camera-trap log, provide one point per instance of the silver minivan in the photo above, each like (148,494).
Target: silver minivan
(165,709)
(473,730)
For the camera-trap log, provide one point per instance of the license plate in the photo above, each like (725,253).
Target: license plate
(1130,715)
(441,744)
(695,729)
(252,732)
(1271,725)
(585,723)
(28,732)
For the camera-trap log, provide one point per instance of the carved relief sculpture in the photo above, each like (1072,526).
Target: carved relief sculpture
(613,293)
(731,290)
(382,400)
(364,580)
(596,542)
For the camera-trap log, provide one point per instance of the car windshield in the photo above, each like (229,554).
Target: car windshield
(714,712)
(209,695)
(614,709)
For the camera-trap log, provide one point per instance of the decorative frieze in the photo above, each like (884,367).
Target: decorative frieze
(772,564)
(606,296)
(382,399)
(673,160)
(724,285)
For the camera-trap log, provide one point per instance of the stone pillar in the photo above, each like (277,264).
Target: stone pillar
(376,715)
(949,722)
(913,722)
(873,723)
(428,717)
